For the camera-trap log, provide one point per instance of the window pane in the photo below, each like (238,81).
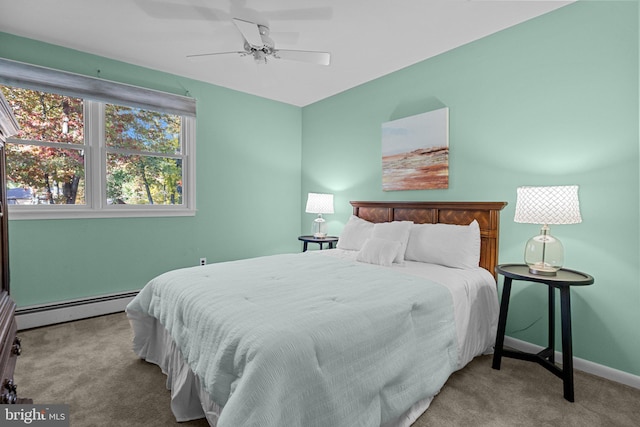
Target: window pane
(143,180)
(142,130)
(44,175)
(46,116)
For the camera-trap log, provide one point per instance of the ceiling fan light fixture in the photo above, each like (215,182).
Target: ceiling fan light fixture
(260,56)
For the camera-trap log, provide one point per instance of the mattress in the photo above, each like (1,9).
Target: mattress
(465,327)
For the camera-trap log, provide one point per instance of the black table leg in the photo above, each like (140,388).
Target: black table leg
(552,324)
(567,349)
(304,247)
(502,323)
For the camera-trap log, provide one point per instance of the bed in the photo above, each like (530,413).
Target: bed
(362,335)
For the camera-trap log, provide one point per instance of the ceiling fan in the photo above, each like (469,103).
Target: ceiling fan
(258,44)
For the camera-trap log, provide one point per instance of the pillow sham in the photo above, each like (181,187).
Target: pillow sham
(354,234)
(450,245)
(378,251)
(396,231)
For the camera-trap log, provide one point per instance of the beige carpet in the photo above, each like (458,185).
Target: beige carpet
(89,365)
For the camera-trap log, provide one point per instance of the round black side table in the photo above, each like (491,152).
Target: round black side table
(563,280)
(319,240)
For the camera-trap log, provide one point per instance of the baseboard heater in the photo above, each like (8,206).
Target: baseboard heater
(65,311)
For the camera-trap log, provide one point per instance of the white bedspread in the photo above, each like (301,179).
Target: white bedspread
(300,346)
(475,301)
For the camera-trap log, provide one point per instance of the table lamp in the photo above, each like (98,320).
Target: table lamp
(318,203)
(544,254)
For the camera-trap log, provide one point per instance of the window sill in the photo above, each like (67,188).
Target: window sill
(60,212)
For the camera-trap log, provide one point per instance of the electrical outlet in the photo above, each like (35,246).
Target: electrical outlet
(203,261)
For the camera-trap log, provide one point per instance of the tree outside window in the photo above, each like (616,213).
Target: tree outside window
(144,164)
(48,166)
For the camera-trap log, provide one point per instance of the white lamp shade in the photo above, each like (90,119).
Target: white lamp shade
(319,203)
(548,205)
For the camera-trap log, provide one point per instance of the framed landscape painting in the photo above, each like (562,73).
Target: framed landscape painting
(415,152)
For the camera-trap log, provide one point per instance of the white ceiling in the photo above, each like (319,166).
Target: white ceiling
(367,38)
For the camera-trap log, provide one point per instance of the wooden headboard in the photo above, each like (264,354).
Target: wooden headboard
(461,213)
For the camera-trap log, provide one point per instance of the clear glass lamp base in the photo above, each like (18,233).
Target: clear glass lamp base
(319,228)
(544,254)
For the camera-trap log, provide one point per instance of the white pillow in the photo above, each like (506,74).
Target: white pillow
(379,251)
(354,234)
(445,244)
(397,231)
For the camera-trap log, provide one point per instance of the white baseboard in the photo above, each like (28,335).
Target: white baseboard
(580,364)
(49,314)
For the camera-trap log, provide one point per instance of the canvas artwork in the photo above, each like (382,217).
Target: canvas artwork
(415,152)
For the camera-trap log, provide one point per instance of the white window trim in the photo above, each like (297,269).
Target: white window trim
(95,179)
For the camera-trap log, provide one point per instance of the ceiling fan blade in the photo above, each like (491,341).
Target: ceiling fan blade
(200,55)
(169,10)
(250,32)
(320,58)
(174,10)
(311,13)
(286,37)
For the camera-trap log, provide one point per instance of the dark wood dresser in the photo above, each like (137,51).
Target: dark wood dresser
(9,343)
(9,349)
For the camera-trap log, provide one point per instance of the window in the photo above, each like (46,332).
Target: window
(144,157)
(45,160)
(81,157)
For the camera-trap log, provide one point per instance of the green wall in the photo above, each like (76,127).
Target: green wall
(552,101)
(248,193)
